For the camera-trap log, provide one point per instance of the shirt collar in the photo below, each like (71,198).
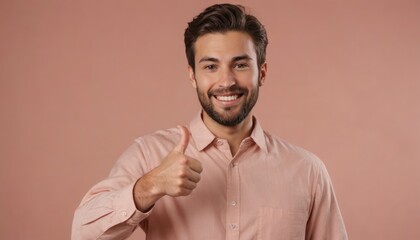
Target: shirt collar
(203,137)
(200,133)
(258,135)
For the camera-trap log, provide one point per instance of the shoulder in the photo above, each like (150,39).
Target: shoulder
(290,152)
(162,140)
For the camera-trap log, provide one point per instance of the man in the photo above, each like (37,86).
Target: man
(222,176)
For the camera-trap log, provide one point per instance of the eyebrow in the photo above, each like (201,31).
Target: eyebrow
(234,59)
(242,57)
(208,59)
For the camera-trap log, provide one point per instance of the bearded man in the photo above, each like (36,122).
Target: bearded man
(221,176)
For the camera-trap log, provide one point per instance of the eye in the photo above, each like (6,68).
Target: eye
(241,65)
(210,67)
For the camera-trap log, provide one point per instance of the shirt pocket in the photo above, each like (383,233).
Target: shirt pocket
(284,224)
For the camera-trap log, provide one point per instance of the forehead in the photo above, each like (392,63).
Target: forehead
(224,45)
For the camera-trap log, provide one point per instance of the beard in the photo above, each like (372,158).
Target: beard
(228,117)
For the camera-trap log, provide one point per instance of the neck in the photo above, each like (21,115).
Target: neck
(233,134)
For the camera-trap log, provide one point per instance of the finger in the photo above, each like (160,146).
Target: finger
(184,140)
(194,176)
(195,165)
(185,192)
(180,192)
(190,185)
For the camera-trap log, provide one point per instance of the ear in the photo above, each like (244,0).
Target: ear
(263,74)
(192,77)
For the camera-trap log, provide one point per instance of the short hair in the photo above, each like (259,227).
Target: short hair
(222,18)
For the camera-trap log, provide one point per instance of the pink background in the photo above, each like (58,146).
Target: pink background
(79,80)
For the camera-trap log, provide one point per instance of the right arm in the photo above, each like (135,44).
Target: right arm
(114,207)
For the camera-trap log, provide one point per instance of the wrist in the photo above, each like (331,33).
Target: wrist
(146,193)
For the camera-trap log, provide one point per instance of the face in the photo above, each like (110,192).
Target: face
(226,76)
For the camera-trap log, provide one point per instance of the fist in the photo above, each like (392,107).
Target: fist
(178,174)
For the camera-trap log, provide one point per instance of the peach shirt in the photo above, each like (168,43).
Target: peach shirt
(269,190)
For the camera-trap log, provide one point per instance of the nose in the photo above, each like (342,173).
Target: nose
(227,78)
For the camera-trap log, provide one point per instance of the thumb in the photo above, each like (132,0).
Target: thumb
(184,140)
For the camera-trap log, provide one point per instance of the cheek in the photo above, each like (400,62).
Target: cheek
(203,82)
(250,79)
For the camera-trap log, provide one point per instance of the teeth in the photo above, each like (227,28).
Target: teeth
(227,98)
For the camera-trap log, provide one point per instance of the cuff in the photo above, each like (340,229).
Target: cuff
(126,209)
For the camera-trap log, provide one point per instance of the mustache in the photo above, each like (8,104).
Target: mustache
(235,89)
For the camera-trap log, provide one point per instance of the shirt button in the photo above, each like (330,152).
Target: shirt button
(233,203)
(219,142)
(233,226)
(124,213)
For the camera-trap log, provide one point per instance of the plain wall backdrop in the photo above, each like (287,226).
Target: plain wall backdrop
(80,80)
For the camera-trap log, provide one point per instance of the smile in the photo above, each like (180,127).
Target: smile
(227,98)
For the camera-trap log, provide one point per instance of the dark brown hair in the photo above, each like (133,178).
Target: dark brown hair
(223,18)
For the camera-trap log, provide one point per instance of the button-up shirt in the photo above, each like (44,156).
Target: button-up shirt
(269,189)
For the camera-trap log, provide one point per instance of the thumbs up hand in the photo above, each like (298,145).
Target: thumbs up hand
(177,175)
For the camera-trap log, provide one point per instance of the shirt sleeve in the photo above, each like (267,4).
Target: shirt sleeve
(108,210)
(325,221)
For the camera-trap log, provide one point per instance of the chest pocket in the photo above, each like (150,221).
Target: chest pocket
(284,224)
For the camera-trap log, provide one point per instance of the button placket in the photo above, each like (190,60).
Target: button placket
(223,147)
(233,188)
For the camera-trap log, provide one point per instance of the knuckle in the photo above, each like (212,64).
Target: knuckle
(182,173)
(179,183)
(178,192)
(182,160)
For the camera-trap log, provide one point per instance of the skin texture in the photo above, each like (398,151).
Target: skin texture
(226,65)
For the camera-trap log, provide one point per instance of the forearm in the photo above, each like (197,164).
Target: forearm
(106,213)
